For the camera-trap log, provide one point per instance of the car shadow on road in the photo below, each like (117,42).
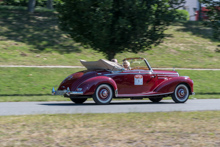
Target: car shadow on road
(91,103)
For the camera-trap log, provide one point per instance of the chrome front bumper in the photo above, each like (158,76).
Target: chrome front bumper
(67,92)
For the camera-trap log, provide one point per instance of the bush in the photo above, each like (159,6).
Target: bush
(181,15)
(14,2)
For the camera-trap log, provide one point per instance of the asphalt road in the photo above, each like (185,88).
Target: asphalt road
(28,108)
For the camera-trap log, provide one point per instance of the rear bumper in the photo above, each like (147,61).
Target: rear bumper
(66,92)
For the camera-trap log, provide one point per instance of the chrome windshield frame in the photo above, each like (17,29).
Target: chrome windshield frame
(148,65)
(145,60)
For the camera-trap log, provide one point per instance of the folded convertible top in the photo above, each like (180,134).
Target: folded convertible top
(101,64)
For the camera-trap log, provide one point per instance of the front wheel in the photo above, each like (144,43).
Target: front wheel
(78,100)
(103,94)
(181,94)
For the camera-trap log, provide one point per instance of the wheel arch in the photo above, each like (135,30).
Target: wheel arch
(89,86)
(188,86)
(170,85)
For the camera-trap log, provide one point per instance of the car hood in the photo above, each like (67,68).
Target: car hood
(166,72)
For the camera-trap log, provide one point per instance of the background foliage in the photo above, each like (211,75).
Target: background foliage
(181,15)
(35,39)
(41,3)
(113,26)
(214,16)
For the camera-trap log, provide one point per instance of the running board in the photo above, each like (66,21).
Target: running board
(144,95)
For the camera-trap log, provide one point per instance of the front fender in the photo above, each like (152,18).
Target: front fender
(89,86)
(170,85)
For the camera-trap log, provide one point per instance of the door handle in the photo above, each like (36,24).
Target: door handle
(152,76)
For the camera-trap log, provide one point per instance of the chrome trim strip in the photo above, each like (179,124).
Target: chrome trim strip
(132,95)
(161,74)
(76,92)
(163,78)
(125,74)
(193,93)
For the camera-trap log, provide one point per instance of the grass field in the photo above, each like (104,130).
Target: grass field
(35,84)
(34,39)
(132,129)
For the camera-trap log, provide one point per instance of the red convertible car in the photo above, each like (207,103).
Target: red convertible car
(104,80)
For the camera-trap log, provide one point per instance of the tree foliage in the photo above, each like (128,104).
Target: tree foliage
(181,15)
(213,16)
(40,3)
(114,26)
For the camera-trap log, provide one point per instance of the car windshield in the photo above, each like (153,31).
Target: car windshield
(137,63)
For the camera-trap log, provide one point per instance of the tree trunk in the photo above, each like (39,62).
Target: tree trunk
(50,4)
(110,55)
(200,11)
(31,5)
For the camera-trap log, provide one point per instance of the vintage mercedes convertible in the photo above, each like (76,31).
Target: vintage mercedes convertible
(104,80)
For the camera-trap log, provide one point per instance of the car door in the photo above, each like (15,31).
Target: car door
(137,82)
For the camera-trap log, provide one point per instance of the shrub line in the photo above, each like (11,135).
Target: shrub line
(59,66)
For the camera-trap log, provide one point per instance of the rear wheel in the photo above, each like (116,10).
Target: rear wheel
(156,99)
(181,93)
(78,100)
(103,94)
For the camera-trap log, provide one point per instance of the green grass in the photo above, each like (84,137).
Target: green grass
(206,83)
(124,130)
(35,84)
(34,39)
(31,81)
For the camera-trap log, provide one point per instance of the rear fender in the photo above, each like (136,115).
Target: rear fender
(89,86)
(170,85)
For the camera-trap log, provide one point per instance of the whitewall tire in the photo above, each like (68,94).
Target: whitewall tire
(103,94)
(181,93)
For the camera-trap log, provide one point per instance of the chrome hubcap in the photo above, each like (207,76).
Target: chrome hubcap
(103,93)
(181,93)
